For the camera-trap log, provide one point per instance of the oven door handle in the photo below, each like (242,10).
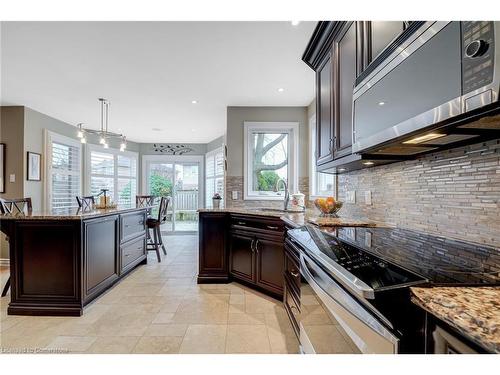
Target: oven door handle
(341,298)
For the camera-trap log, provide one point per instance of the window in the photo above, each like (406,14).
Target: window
(271,152)
(63,171)
(214,164)
(320,184)
(113,170)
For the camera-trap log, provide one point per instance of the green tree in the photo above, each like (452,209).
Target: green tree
(267,180)
(125,194)
(160,186)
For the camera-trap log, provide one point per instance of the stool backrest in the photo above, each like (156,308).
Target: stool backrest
(144,200)
(85,202)
(16,206)
(162,211)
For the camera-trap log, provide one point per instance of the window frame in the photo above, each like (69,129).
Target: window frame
(292,128)
(314,175)
(49,138)
(221,149)
(115,152)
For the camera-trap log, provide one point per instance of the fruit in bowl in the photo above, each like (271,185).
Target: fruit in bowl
(328,206)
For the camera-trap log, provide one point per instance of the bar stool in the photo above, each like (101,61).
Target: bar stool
(155,224)
(85,203)
(14,206)
(144,200)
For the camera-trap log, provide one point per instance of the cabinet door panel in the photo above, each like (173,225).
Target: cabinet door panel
(242,257)
(270,264)
(324,128)
(101,260)
(346,70)
(381,33)
(212,245)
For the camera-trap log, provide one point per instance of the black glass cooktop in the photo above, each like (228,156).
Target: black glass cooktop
(439,259)
(387,257)
(373,271)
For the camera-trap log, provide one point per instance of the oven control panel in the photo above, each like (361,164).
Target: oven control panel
(478,53)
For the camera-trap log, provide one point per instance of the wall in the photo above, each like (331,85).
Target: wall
(216,143)
(34,125)
(12,133)
(148,148)
(236,116)
(454,193)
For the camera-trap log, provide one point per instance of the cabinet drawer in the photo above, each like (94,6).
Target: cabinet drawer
(132,251)
(258,224)
(292,271)
(132,225)
(292,307)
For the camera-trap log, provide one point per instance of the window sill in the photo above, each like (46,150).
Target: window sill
(263,198)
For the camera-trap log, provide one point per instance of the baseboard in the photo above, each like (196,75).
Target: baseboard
(4,262)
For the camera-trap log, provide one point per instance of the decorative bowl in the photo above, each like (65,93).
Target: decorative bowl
(328,206)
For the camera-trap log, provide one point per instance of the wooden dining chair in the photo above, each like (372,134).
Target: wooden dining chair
(14,206)
(86,202)
(154,225)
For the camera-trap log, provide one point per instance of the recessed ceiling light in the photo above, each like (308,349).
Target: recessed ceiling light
(281,89)
(381,103)
(194,101)
(423,138)
(193,130)
(295,23)
(368,163)
(341,169)
(156,129)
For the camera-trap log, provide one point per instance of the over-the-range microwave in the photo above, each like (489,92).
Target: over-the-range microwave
(433,72)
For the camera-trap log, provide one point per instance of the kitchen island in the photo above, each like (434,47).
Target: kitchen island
(60,260)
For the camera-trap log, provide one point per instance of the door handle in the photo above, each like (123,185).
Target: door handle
(257,246)
(272,227)
(294,273)
(252,246)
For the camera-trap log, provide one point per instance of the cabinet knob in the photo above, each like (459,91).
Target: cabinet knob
(272,227)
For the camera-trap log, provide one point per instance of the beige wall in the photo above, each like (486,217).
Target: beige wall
(12,134)
(236,116)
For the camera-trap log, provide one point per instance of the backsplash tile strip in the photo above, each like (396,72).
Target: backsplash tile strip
(454,193)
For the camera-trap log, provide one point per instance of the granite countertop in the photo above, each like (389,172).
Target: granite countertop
(474,311)
(70,213)
(295,219)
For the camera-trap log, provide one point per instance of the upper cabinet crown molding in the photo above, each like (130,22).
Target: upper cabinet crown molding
(320,42)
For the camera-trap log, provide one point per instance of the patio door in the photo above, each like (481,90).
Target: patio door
(181,178)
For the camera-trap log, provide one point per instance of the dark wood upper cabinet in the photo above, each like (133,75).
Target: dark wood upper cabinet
(324,117)
(346,52)
(378,35)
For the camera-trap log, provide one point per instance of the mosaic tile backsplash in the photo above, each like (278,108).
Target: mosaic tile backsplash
(454,193)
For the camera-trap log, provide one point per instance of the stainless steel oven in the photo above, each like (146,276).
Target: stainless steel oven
(332,321)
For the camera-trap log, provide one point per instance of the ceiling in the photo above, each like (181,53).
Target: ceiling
(152,71)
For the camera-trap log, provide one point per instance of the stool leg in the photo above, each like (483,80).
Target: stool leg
(161,241)
(157,245)
(6,287)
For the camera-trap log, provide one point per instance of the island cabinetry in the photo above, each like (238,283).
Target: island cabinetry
(100,252)
(60,261)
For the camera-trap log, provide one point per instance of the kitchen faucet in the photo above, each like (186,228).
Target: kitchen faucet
(287,193)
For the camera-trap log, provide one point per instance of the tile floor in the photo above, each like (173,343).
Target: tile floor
(159,308)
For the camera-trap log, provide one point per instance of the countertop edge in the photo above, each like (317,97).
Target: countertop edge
(488,346)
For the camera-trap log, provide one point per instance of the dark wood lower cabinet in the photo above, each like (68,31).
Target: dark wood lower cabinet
(241,255)
(269,269)
(213,255)
(252,246)
(59,265)
(100,251)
